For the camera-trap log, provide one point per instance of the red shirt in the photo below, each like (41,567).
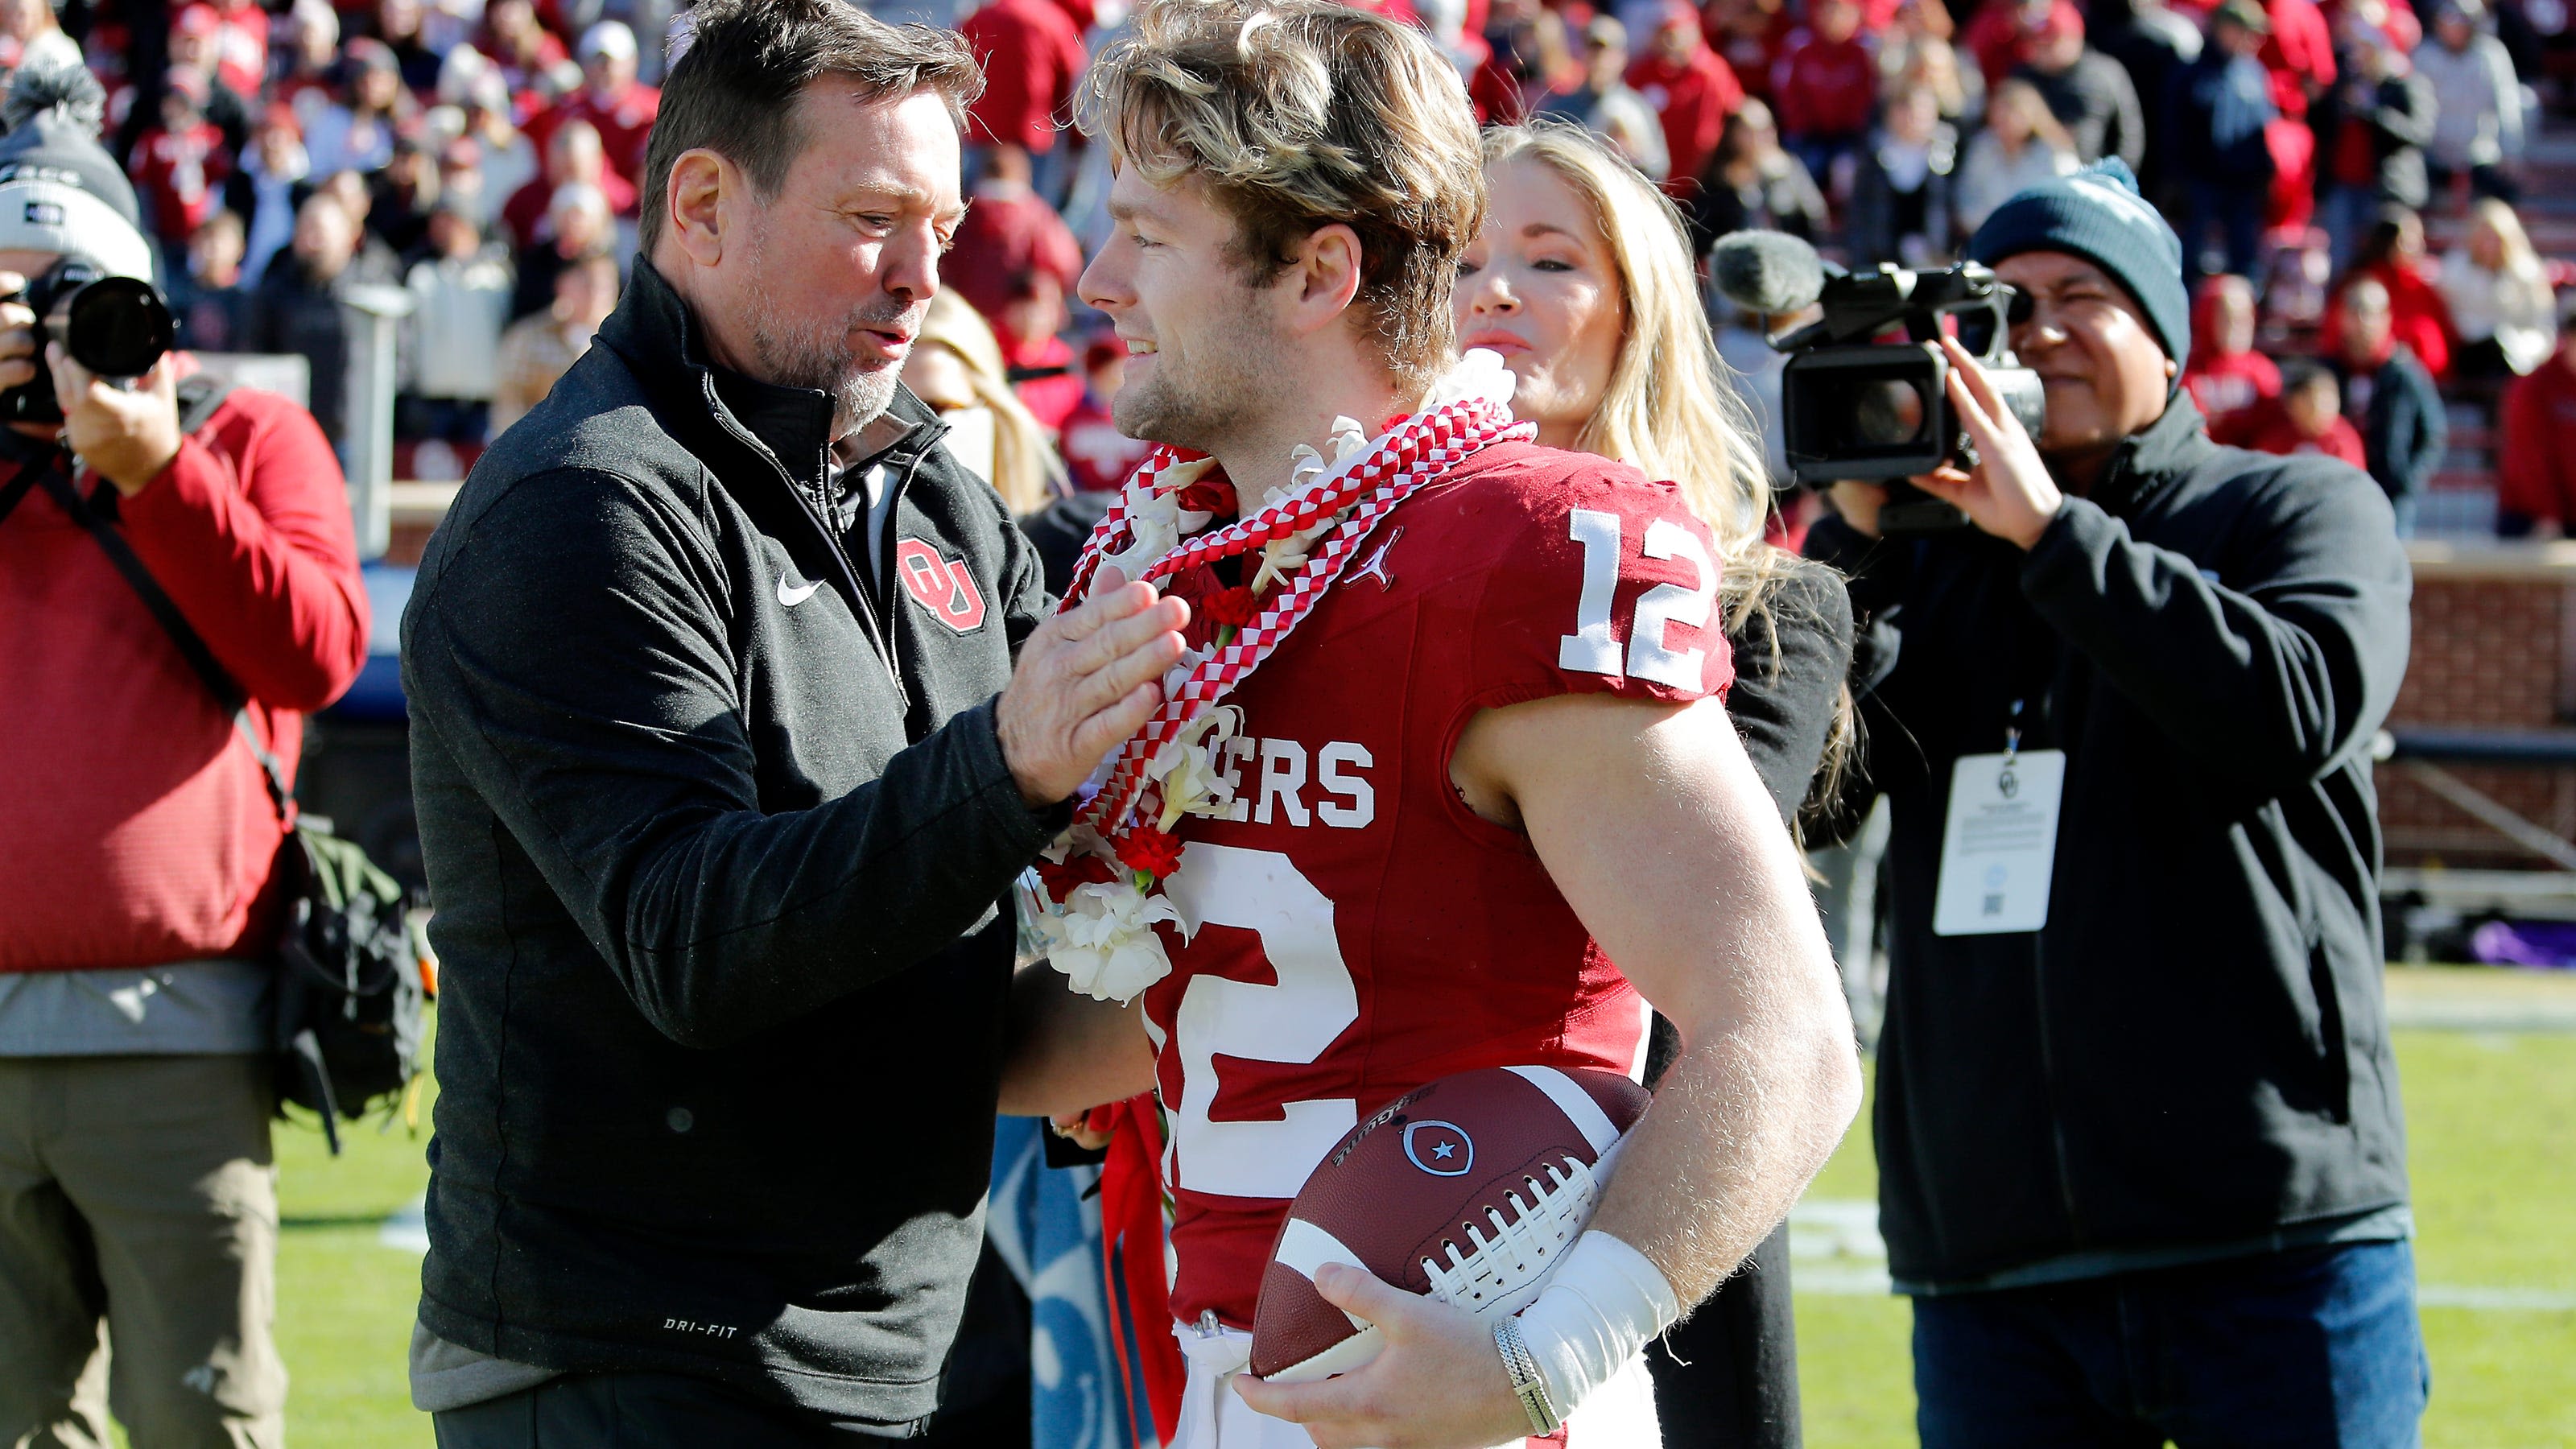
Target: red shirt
(1823,89)
(2536,467)
(2278,434)
(1097,454)
(2299,53)
(525,212)
(181,176)
(2225,387)
(1032,55)
(1007,234)
(1996,37)
(1694,98)
(1051,399)
(1358,931)
(137,829)
(2417,316)
(624,124)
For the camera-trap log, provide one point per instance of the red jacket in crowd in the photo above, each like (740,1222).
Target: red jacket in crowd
(1823,88)
(2536,463)
(1051,399)
(625,122)
(1999,40)
(2230,389)
(180,176)
(2417,316)
(1008,233)
(2299,53)
(137,828)
(1032,57)
(1694,98)
(2277,433)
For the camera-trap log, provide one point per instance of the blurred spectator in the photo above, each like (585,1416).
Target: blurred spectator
(398,26)
(2499,295)
(2021,146)
(1753,182)
(401,197)
(536,351)
(2088,92)
(2307,417)
(522,50)
(1749,35)
(2152,44)
(2392,254)
(2221,108)
(462,291)
(1030,333)
(2477,115)
(2536,454)
(179,166)
(263,192)
(502,154)
(1008,232)
(1096,454)
(376,262)
(1603,102)
(311,79)
(1916,50)
(2373,124)
(575,156)
(31,34)
(2298,53)
(2390,396)
(1825,90)
(577,225)
(1691,87)
(221,91)
(2004,32)
(1032,56)
(956,369)
(616,104)
(209,299)
(297,308)
(2228,380)
(1900,189)
(358,134)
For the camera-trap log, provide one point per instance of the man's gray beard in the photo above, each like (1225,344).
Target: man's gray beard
(819,357)
(1211,406)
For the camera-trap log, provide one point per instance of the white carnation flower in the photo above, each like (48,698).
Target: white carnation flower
(1103,939)
(1479,374)
(1186,766)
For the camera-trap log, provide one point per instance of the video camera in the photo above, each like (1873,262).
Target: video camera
(1856,408)
(115,326)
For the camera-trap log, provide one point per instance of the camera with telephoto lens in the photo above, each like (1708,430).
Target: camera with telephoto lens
(117,327)
(1856,408)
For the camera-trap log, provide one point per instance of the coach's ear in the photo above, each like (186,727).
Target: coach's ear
(704,188)
(1325,276)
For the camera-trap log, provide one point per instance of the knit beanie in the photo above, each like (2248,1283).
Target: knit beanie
(59,189)
(2097,214)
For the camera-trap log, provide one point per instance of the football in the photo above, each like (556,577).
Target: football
(1470,1190)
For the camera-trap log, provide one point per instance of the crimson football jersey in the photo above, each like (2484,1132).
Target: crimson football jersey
(1358,931)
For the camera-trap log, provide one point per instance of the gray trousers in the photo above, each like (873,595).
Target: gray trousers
(137,1193)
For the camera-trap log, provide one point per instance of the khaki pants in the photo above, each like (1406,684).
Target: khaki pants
(138,1191)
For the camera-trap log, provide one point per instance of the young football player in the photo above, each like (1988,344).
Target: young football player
(1447,783)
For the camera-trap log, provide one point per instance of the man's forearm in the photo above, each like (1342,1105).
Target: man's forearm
(1068,1051)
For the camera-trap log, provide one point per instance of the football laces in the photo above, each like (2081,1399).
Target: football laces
(1502,1270)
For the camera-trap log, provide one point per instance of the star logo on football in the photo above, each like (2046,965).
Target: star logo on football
(1439,1148)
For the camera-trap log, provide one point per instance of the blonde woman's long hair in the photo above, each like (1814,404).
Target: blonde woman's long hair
(1026,471)
(1670,409)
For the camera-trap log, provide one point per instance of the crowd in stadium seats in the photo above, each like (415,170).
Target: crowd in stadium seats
(487,155)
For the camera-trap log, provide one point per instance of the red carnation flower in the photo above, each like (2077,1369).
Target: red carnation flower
(1211,494)
(1082,870)
(1232,608)
(1155,852)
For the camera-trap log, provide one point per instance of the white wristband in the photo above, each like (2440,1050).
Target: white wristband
(1604,1304)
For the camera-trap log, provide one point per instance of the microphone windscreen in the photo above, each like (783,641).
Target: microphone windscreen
(1770,272)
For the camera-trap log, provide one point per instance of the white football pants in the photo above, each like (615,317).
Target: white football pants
(1621,1415)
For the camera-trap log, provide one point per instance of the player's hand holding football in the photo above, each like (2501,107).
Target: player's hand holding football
(1086,680)
(1438,1383)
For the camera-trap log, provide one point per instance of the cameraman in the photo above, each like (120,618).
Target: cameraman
(2142,1167)
(136,1184)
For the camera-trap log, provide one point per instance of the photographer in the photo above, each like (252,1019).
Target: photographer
(2137,1115)
(136,1184)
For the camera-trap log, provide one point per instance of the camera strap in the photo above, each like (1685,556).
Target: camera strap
(53,474)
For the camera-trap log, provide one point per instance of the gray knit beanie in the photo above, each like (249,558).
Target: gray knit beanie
(2098,215)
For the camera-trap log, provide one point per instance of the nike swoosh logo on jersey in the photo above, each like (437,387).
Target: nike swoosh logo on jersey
(792,597)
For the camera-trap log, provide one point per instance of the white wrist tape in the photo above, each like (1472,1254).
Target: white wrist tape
(1605,1302)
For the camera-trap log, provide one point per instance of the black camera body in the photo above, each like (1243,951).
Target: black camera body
(1859,409)
(115,326)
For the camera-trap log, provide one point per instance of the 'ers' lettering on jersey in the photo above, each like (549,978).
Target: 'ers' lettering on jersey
(1357,930)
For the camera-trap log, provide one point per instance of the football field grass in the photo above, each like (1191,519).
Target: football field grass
(2492,1123)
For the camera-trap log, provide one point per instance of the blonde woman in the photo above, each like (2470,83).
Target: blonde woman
(2022,145)
(2500,296)
(956,370)
(1582,281)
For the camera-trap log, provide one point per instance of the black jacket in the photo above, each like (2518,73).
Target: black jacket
(2405,429)
(2193,1050)
(293,312)
(2209,139)
(2098,106)
(720,835)
(2396,116)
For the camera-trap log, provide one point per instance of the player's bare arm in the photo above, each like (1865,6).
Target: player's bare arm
(1652,823)
(1069,1052)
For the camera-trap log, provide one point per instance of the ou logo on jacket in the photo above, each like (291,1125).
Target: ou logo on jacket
(943,586)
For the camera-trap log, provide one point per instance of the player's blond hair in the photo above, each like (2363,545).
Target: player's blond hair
(1296,114)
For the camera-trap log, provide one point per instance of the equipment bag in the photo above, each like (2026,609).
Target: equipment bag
(350,981)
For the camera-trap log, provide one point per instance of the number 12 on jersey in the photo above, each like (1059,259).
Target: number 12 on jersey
(1593,647)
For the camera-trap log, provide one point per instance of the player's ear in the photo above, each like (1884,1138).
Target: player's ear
(1326,272)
